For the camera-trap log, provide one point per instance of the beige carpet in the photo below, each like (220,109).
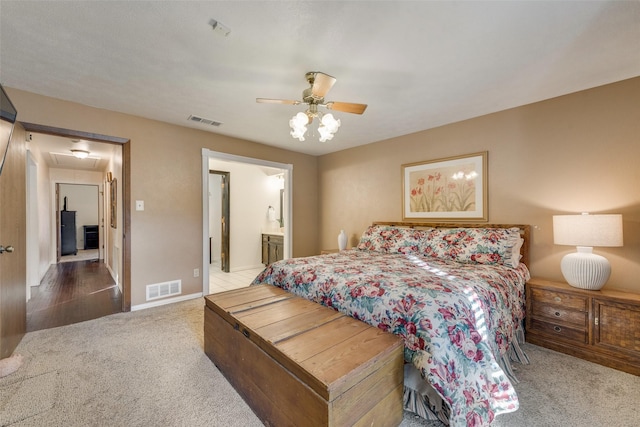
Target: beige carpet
(148,368)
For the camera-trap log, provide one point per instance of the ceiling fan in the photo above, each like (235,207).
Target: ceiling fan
(319,85)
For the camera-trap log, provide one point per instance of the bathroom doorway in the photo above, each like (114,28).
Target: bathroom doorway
(254,192)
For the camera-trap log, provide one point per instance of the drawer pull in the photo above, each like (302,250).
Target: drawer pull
(245,333)
(557,328)
(236,326)
(557,299)
(557,314)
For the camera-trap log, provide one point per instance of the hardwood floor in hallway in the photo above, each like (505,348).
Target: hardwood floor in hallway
(73,292)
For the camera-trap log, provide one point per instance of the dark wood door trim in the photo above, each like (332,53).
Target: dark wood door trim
(126,192)
(70,133)
(226,218)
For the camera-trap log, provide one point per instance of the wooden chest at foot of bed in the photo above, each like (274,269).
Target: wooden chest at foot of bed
(297,363)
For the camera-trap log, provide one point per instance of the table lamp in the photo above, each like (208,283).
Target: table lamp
(584,269)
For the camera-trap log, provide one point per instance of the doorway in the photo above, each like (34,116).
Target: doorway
(78,208)
(117,243)
(248,213)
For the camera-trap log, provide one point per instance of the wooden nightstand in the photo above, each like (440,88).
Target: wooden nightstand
(600,326)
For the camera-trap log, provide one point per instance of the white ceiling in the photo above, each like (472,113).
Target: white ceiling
(57,152)
(416,64)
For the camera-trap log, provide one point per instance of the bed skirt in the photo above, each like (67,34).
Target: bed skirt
(423,400)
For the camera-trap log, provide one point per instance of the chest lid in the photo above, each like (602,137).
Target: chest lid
(327,350)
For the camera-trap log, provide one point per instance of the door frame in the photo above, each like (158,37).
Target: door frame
(125,143)
(100,213)
(225,259)
(288,229)
(33,256)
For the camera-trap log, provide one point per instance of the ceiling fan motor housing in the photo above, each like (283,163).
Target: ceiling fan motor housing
(310,98)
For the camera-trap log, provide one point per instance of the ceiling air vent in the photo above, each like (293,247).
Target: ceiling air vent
(204,121)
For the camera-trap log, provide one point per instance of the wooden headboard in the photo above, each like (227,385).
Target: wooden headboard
(524,230)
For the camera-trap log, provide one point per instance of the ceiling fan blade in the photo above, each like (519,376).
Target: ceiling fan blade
(277,101)
(321,84)
(347,107)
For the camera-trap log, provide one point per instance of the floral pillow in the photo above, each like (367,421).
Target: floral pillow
(476,245)
(390,239)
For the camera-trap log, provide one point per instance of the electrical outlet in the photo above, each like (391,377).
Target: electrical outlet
(196,272)
(139,205)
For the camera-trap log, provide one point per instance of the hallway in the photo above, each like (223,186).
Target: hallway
(73,292)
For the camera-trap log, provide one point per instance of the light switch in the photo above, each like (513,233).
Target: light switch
(139,205)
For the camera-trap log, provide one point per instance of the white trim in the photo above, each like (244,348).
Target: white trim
(205,221)
(33,276)
(165,301)
(242,159)
(59,176)
(288,228)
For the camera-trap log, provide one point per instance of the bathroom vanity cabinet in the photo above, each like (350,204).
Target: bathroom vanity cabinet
(272,248)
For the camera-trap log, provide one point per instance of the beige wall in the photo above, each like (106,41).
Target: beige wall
(166,238)
(44,209)
(576,153)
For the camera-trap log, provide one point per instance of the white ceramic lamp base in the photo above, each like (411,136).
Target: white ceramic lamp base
(585,270)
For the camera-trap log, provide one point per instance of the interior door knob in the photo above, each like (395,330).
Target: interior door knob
(7,249)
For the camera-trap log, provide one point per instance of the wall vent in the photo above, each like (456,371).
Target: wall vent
(204,121)
(161,290)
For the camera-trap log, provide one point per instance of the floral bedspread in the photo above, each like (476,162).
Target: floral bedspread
(457,320)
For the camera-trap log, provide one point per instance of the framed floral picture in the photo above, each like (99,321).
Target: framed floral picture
(454,188)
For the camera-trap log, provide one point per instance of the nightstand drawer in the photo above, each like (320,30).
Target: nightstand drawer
(561,332)
(560,315)
(563,299)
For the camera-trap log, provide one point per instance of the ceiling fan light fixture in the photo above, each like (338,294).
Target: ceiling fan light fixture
(325,134)
(320,83)
(328,127)
(331,122)
(298,124)
(80,154)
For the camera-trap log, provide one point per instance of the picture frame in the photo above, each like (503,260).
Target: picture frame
(452,188)
(113,199)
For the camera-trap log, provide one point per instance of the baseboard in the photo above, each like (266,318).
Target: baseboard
(165,301)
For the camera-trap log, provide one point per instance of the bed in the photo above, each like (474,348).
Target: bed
(453,292)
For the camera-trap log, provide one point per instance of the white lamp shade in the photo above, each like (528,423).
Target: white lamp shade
(584,269)
(587,230)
